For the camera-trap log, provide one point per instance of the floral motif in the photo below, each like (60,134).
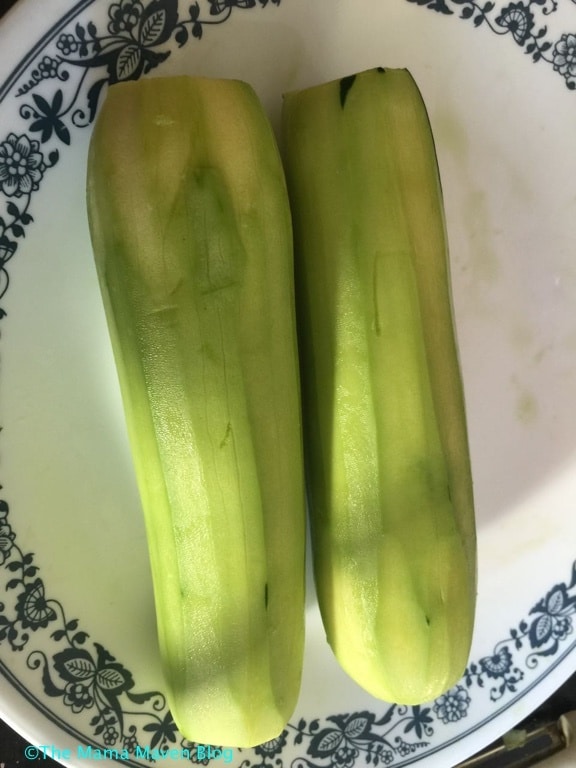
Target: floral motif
(77,696)
(32,609)
(67,44)
(453,705)
(163,731)
(553,622)
(518,20)
(360,735)
(7,536)
(273,747)
(94,681)
(138,38)
(124,16)
(48,67)
(564,58)
(497,665)
(130,741)
(21,165)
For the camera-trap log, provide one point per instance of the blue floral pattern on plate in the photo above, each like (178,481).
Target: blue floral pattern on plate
(525,23)
(139,36)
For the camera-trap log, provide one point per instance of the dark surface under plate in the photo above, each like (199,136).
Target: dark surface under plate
(5,5)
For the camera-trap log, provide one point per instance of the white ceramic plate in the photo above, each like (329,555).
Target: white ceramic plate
(78,658)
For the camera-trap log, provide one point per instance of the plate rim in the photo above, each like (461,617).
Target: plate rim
(5,91)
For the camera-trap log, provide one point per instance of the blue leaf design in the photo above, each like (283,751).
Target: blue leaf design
(541,631)
(325,742)
(94,96)
(127,62)
(158,22)
(74,665)
(358,725)
(181,37)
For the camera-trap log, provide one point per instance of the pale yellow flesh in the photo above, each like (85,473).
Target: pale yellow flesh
(391,489)
(192,239)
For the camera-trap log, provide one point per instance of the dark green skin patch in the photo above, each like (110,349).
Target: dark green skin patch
(345,84)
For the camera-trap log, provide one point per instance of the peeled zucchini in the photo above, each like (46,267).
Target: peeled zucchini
(191,232)
(392,512)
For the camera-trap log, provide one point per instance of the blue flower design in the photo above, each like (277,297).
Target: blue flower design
(344,757)
(124,16)
(518,20)
(21,165)
(273,747)
(110,736)
(6,535)
(554,615)
(562,628)
(78,697)
(130,740)
(48,67)
(564,59)
(32,607)
(453,705)
(343,741)
(67,44)
(497,665)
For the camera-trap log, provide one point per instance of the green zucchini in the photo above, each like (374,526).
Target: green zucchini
(392,514)
(191,232)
